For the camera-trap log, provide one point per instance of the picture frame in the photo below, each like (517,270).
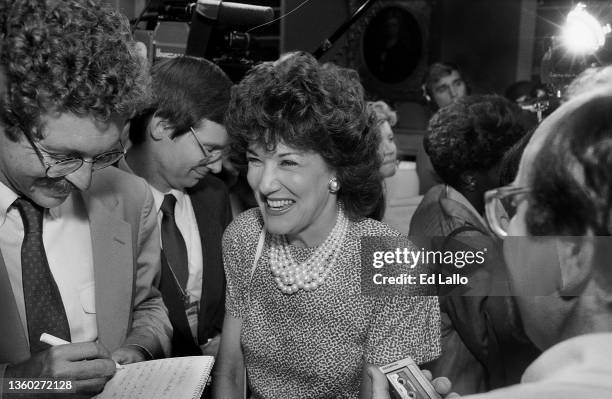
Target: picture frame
(388,46)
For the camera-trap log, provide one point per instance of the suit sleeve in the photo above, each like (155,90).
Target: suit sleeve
(151,328)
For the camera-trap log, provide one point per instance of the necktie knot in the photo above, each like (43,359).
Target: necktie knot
(168,204)
(173,243)
(31,214)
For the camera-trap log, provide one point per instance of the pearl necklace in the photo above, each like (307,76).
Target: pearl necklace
(310,274)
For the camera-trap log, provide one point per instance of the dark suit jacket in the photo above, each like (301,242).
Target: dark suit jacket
(211,205)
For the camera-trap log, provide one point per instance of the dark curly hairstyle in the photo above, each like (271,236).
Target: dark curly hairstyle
(472,135)
(71,56)
(185,90)
(310,107)
(571,174)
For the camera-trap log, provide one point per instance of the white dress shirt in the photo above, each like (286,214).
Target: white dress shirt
(67,242)
(185,219)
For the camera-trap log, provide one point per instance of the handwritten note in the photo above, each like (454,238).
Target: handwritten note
(179,377)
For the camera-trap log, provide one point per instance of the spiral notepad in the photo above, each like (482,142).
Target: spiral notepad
(179,377)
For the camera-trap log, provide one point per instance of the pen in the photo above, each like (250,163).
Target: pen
(55,341)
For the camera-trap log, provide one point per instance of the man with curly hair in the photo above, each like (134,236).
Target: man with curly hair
(79,250)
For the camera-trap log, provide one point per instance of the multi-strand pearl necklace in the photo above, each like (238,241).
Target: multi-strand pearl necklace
(291,276)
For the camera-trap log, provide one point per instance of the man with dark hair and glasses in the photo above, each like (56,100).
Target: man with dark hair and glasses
(79,247)
(555,220)
(177,141)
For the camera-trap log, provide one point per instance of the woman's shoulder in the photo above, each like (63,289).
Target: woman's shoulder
(371,227)
(244,226)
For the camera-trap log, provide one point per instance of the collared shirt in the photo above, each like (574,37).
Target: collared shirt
(576,368)
(188,226)
(455,195)
(65,231)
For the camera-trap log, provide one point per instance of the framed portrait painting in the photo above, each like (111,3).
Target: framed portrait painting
(388,47)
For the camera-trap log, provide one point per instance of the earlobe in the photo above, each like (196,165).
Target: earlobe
(125,133)
(576,255)
(333,185)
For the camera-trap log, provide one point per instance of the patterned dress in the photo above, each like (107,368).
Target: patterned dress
(314,344)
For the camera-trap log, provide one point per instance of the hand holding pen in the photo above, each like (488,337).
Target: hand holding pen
(55,341)
(87,364)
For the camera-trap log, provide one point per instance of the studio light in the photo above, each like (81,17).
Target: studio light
(582,33)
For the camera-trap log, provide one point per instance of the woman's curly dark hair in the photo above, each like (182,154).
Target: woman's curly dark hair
(472,135)
(310,107)
(73,56)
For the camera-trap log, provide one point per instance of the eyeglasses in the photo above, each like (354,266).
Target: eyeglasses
(210,156)
(67,165)
(501,205)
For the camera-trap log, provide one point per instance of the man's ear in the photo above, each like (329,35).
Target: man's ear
(576,257)
(125,133)
(159,128)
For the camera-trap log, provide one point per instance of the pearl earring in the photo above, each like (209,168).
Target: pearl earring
(333,185)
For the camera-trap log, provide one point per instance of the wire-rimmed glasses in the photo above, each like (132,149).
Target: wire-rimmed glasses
(60,167)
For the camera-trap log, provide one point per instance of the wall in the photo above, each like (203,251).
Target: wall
(307,27)
(481,36)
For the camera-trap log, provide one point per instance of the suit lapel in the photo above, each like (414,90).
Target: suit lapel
(113,269)
(204,225)
(202,222)
(14,344)
(212,267)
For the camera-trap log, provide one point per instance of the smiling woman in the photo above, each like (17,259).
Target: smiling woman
(295,316)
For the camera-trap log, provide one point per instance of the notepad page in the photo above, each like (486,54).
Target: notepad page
(179,377)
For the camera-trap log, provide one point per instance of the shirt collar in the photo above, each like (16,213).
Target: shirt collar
(455,195)
(7,197)
(158,196)
(56,213)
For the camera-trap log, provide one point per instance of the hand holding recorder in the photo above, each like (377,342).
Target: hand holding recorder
(403,380)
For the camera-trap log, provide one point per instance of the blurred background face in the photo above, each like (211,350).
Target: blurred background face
(393,27)
(291,188)
(387,150)
(448,88)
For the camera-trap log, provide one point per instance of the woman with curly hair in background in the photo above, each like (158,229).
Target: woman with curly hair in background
(483,344)
(386,118)
(295,314)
